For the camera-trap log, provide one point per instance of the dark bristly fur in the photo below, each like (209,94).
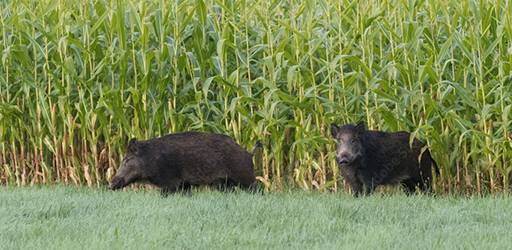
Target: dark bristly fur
(368,159)
(179,161)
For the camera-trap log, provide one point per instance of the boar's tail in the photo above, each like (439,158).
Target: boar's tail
(256,146)
(436,168)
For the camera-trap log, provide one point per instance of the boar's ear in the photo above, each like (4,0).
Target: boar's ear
(334,130)
(132,146)
(360,127)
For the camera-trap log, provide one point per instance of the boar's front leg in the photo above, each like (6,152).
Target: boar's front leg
(369,188)
(357,188)
(355,185)
(183,188)
(368,184)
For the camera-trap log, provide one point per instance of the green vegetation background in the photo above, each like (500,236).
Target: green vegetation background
(79,78)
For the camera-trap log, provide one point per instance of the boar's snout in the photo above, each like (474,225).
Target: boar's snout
(343,159)
(117,183)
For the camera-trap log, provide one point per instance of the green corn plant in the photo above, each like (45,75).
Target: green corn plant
(79,79)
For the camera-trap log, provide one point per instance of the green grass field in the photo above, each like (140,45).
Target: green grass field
(76,218)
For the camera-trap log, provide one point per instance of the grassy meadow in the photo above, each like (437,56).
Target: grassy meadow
(78,218)
(79,78)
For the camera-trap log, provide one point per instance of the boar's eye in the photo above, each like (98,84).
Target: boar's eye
(353,140)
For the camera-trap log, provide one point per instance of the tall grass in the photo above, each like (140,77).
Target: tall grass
(79,78)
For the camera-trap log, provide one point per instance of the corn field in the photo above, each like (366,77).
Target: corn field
(78,79)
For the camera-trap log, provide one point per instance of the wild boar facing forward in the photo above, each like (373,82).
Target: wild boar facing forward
(368,159)
(179,161)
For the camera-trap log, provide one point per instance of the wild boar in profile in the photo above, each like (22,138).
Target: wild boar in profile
(176,162)
(368,159)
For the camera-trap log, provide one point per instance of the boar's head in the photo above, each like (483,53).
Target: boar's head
(132,166)
(349,146)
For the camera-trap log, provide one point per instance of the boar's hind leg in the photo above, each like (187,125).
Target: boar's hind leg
(246,181)
(255,188)
(252,187)
(230,184)
(425,185)
(411,184)
(248,184)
